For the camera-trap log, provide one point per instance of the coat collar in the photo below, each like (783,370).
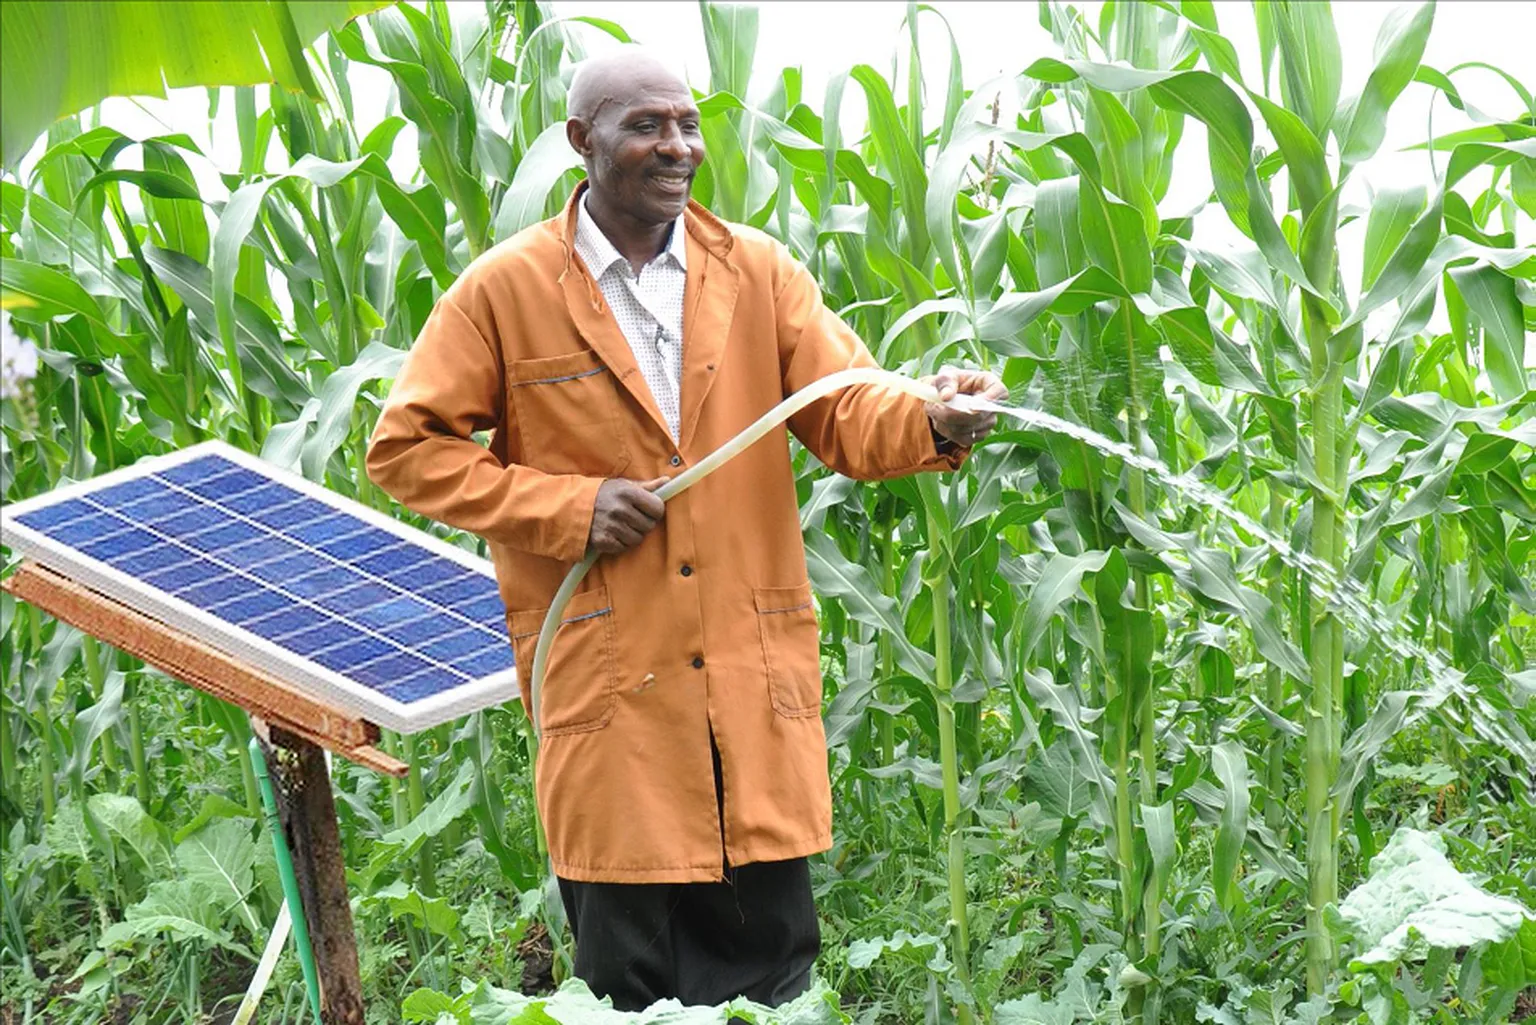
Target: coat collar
(709,301)
(599,253)
(703,227)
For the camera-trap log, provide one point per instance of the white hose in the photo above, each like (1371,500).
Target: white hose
(258,987)
(817,389)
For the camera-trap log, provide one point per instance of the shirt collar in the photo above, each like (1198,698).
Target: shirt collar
(599,254)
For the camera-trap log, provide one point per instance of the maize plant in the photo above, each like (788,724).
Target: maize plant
(1190,697)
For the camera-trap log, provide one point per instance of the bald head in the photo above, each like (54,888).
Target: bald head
(615,78)
(634,122)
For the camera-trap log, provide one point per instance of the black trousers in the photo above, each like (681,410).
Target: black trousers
(755,935)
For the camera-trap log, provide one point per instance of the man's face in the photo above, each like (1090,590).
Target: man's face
(642,150)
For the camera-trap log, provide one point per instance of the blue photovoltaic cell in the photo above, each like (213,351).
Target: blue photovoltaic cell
(397,610)
(392,669)
(355,544)
(354,598)
(487,610)
(301,574)
(380,563)
(87,528)
(253,500)
(128,491)
(423,685)
(426,630)
(422,576)
(216,591)
(332,580)
(323,529)
(491,659)
(454,646)
(54,515)
(289,567)
(184,574)
(141,564)
(118,545)
(460,589)
(253,606)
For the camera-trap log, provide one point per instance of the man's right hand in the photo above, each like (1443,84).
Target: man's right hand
(624,513)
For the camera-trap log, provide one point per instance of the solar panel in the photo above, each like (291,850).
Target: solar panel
(361,612)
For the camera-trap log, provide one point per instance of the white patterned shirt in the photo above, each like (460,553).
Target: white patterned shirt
(647,306)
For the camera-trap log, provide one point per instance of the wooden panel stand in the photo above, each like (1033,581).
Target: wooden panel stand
(308,812)
(292,729)
(184,657)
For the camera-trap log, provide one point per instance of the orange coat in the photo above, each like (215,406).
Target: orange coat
(707,624)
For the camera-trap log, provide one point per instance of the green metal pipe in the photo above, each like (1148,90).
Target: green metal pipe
(290,883)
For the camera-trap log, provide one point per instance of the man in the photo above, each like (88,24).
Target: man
(683,772)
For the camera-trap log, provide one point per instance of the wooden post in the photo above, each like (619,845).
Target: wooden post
(308,811)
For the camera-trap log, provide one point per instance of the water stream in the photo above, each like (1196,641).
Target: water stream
(1348,596)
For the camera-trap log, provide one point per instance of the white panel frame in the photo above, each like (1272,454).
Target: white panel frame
(325,685)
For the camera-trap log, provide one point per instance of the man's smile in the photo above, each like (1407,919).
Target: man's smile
(671,182)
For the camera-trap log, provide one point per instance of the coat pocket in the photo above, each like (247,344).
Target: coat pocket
(786,622)
(567,411)
(579,693)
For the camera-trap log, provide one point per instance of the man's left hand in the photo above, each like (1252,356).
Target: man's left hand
(961,428)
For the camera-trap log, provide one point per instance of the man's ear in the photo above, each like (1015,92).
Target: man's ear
(578,134)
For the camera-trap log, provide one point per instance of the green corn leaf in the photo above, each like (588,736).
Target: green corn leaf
(1393,213)
(1231,764)
(834,576)
(90,723)
(1059,581)
(260,347)
(1157,823)
(546,162)
(399,845)
(1115,238)
(183,224)
(1303,152)
(1399,46)
(896,152)
(50,293)
(1492,296)
(123,49)
(730,39)
(1311,66)
(338,399)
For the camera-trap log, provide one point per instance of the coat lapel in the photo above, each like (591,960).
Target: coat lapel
(596,323)
(709,302)
(600,330)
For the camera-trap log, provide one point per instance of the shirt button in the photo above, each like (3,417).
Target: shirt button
(677,460)
(686,571)
(698,663)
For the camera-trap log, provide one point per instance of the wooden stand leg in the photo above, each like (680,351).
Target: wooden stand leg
(308,811)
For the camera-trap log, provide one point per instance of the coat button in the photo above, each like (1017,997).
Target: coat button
(698,663)
(676,460)
(686,571)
